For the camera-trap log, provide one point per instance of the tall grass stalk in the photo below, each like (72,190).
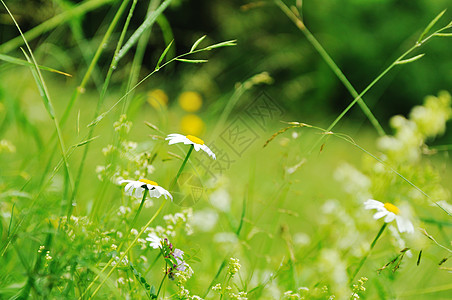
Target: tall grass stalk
(132,244)
(113,66)
(294,17)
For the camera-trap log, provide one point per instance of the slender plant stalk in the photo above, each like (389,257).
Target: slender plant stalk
(351,141)
(330,62)
(113,66)
(173,184)
(358,97)
(94,61)
(361,263)
(163,279)
(52,23)
(45,94)
(120,258)
(139,209)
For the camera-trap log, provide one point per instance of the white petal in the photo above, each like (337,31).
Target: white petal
(176,140)
(373,204)
(208,151)
(139,192)
(154,193)
(173,136)
(164,192)
(404,225)
(390,217)
(197,146)
(380,214)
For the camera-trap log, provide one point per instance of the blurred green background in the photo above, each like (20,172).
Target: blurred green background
(363,37)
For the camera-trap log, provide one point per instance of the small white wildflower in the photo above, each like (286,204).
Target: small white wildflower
(135,188)
(390,212)
(175,138)
(156,242)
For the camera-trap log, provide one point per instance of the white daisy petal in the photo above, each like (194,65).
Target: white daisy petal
(404,225)
(136,188)
(197,143)
(380,214)
(373,204)
(390,217)
(155,241)
(208,151)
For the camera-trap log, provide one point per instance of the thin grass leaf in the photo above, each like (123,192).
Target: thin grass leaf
(409,60)
(146,24)
(54,22)
(193,61)
(446,34)
(85,142)
(430,25)
(77,125)
(97,120)
(157,67)
(222,44)
(22,62)
(41,88)
(193,48)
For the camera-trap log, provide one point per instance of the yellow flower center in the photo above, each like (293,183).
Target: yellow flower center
(195,139)
(148,182)
(392,208)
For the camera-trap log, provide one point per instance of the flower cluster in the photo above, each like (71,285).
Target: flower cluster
(174,257)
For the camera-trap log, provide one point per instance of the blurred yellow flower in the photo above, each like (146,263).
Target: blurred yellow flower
(190,101)
(157,98)
(192,124)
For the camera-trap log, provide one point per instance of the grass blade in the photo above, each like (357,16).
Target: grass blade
(157,67)
(197,43)
(430,25)
(406,61)
(193,61)
(22,62)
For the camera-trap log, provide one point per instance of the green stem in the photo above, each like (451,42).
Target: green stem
(182,167)
(120,258)
(361,263)
(163,279)
(139,208)
(113,65)
(94,61)
(337,71)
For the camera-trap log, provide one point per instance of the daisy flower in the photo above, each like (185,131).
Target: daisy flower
(197,143)
(156,242)
(135,188)
(389,212)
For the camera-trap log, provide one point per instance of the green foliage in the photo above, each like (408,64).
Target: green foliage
(280,212)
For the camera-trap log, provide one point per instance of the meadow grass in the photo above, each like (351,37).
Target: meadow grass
(267,206)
